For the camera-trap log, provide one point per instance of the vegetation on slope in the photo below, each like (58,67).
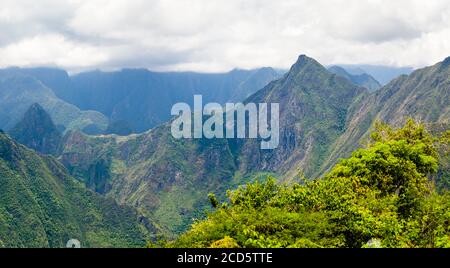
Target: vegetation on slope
(42,206)
(380,196)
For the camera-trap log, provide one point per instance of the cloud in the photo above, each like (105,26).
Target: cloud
(218,35)
(52,50)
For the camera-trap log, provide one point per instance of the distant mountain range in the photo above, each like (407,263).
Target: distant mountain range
(362,79)
(18,91)
(383,74)
(142,99)
(131,100)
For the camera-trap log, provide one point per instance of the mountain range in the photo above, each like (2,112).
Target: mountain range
(324,116)
(141,99)
(18,91)
(382,73)
(362,79)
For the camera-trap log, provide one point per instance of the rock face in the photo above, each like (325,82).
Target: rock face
(37,131)
(41,205)
(362,79)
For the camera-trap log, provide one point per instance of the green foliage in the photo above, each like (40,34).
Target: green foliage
(226,242)
(213,200)
(379,197)
(443,176)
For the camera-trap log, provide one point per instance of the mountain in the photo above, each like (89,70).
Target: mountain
(362,79)
(37,131)
(18,91)
(383,74)
(314,104)
(143,98)
(42,206)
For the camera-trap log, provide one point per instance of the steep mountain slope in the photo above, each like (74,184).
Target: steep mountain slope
(42,206)
(19,91)
(143,99)
(314,104)
(37,131)
(362,79)
(424,96)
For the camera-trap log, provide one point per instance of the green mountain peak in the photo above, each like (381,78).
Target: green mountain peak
(37,131)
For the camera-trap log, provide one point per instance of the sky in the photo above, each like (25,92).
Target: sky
(219,35)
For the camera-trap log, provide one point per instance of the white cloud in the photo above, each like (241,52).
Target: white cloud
(51,50)
(217,35)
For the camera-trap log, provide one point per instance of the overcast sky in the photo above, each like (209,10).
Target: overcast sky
(218,35)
